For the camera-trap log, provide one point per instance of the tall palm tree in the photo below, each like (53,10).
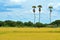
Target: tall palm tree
(34,12)
(50,8)
(39,6)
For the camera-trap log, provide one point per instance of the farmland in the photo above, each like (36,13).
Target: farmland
(10,33)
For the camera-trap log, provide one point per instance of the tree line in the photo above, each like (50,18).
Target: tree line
(10,23)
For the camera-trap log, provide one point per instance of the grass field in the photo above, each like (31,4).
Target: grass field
(29,33)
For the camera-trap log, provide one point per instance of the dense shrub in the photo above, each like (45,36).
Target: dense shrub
(1,23)
(19,23)
(38,24)
(10,23)
(28,24)
(57,23)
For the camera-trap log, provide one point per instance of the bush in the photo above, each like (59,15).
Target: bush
(28,24)
(19,23)
(9,23)
(1,23)
(38,24)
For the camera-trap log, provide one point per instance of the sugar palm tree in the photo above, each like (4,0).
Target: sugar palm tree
(50,8)
(39,6)
(34,12)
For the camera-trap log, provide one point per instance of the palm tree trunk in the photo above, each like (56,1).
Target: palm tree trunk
(50,17)
(39,16)
(34,18)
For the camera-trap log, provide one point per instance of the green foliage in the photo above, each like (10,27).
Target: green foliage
(1,23)
(38,24)
(28,23)
(57,23)
(19,23)
(9,23)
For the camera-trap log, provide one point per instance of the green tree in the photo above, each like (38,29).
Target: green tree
(10,23)
(57,22)
(28,24)
(38,24)
(19,23)
(1,23)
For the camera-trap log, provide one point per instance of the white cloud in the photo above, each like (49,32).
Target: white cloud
(17,1)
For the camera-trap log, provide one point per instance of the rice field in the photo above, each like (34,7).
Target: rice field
(29,33)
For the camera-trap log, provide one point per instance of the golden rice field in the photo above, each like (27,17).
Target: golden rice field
(29,33)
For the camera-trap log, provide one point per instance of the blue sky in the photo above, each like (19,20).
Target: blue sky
(21,10)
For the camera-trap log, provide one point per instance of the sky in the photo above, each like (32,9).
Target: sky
(21,10)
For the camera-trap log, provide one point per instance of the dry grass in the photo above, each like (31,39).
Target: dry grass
(29,33)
